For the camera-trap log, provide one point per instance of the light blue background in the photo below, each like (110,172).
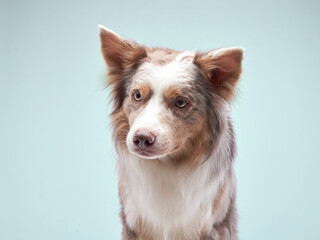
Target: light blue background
(57,164)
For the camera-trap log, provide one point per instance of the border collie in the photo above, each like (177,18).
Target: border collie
(174,139)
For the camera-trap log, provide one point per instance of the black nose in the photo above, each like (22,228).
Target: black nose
(144,139)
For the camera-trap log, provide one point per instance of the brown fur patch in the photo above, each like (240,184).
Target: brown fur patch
(121,127)
(144,90)
(218,199)
(196,144)
(171,93)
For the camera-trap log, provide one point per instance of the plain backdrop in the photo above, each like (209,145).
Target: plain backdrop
(57,163)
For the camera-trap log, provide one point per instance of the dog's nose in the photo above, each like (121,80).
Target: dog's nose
(144,139)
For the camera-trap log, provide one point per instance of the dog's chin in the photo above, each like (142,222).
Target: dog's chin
(147,154)
(152,153)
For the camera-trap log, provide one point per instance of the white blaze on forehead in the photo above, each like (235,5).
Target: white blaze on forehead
(161,77)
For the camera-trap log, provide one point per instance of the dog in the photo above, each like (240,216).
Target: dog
(174,139)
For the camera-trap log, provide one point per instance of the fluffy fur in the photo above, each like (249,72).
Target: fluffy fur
(174,139)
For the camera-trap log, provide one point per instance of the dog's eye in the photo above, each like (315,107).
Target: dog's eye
(181,103)
(137,95)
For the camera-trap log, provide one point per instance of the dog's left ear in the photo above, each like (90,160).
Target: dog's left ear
(222,69)
(119,52)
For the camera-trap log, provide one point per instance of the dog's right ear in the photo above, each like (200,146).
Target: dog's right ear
(118,52)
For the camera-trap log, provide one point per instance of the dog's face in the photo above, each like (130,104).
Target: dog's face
(168,103)
(163,107)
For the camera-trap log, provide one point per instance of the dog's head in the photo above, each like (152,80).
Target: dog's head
(168,104)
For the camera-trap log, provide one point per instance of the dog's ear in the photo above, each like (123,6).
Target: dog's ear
(222,68)
(118,52)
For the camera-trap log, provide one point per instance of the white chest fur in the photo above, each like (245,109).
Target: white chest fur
(172,203)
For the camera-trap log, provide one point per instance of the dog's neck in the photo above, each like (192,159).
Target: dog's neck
(162,198)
